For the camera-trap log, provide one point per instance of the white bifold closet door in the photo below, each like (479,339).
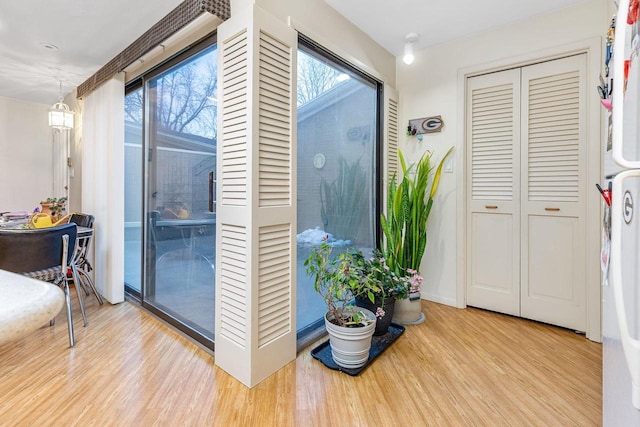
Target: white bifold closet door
(493,132)
(526,144)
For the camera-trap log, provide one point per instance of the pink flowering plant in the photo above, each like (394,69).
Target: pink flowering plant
(385,282)
(414,280)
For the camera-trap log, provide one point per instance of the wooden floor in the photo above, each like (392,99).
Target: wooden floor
(461,367)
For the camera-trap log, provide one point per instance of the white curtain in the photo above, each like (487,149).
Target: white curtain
(103,183)
(60,168)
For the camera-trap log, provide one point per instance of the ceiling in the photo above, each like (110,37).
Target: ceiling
(89,33)
(436,21)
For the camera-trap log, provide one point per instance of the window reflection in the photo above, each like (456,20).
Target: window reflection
(177,109)
(337,116)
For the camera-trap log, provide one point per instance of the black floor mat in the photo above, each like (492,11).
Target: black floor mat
(378,345)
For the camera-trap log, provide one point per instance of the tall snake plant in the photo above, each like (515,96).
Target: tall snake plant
(409,203)
(343,200)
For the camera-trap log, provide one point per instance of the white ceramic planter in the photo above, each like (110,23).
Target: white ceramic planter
(408,311)
(350,346)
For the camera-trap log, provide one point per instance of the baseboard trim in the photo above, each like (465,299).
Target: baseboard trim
(439,299)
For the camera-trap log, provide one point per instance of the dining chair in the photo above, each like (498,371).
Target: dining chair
(81,262)
(43,254)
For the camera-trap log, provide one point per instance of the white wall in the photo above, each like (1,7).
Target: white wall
(317,20)
(430,86)
(26,155)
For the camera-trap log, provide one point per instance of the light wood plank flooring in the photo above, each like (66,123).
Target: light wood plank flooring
(461,367)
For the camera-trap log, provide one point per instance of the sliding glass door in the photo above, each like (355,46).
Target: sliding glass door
(178,159)
(133,190)
(338,158)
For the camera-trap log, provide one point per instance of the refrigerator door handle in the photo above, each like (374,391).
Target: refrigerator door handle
(618,88)
(630,345)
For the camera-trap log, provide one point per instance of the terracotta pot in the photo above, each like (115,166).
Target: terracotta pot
(46,208)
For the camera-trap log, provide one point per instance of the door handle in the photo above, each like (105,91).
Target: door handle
(212,191)
(552,209)
(491,207)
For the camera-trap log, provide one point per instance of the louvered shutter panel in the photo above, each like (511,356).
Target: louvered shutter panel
(275,122)
(554,137)
(256,219)
(275,171)
(234,126)
(274,301)
(231,294)
(232,291)
(492,142)
(392,131)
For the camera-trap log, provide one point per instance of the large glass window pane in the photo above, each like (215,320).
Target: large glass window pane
(133,190)
(337,140)
(181,161)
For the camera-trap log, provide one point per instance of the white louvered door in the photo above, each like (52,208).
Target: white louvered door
(553,206)
(255,278)
(526,183)
(493,104)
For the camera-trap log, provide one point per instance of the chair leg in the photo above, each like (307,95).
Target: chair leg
(85,288)
(84,274)
(78,285)
(79,268)
(67,297)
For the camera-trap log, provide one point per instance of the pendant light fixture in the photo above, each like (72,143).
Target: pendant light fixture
(60,116)
(409,39)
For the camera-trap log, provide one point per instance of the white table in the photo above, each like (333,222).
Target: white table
(26,305)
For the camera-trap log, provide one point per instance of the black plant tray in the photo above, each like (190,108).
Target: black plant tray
(378,345)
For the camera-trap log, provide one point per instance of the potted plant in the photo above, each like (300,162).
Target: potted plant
(339,279)
(386,287)
(404,228)
(54,206)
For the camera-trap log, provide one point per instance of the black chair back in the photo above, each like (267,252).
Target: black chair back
(82,220)
(23,251)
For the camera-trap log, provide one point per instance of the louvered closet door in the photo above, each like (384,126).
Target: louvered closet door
(553,191)
(493,135)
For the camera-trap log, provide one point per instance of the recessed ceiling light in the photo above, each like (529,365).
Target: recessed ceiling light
(409,40)
(49,46)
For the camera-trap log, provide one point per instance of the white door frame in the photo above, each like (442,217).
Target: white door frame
(593,49)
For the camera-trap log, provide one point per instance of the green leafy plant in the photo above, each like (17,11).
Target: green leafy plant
(409,203)
(339,279)
(342,200)
(383,281)
(349,275)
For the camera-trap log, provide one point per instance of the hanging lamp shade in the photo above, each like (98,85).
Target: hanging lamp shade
(60,116)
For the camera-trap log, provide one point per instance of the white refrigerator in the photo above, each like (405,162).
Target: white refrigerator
(621,228)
